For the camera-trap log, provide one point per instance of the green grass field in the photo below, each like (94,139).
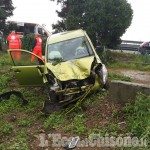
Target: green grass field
(21,125)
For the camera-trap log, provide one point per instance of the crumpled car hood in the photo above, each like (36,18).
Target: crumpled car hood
(73,69)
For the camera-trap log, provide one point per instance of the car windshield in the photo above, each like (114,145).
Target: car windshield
(69,49)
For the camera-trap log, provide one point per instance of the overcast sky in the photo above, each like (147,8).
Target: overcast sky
(43,12)
(140,27)
(35,11)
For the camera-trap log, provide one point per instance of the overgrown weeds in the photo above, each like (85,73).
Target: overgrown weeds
(138,116)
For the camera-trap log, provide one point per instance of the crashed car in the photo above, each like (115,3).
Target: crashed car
(144,48)
(71,68)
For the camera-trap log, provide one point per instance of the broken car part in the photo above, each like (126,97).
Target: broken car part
(6,96)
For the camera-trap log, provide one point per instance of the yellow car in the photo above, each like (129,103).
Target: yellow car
(70,71)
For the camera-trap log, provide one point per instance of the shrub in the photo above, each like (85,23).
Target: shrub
(28,41)
(106,56)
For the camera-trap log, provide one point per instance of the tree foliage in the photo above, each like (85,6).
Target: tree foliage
(28,42)
(6,10)
(104,20)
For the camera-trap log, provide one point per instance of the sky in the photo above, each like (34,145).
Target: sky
(139,29)
(44,12)
(35,11)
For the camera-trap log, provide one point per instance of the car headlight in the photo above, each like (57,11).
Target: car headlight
(104,74)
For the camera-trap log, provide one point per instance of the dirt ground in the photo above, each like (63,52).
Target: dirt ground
(137,76)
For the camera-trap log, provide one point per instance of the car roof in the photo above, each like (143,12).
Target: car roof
(54,38)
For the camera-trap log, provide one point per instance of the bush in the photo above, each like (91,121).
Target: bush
(28,41)
(106,56)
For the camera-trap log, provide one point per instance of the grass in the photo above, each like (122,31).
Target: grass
(119,77)
(20,125)
(77,125)
(26,121)
(133,66)
(126,60)
(5,128)
(18,142)
(55,120)
(138,116)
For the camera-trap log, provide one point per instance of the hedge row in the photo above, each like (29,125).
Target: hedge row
(28,41)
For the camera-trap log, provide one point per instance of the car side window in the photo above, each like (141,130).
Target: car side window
(22,58)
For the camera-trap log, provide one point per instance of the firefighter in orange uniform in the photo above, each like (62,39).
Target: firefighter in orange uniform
(37,47)
(14,43)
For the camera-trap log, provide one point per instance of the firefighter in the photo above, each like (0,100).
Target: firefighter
(37,46)
(14,42)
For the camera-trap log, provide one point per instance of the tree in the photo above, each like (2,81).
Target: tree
(6,10)
(104,20)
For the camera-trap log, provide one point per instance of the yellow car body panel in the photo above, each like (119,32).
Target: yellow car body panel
(63,36)
(74,69)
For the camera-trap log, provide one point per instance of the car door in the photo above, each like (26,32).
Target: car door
(29,69)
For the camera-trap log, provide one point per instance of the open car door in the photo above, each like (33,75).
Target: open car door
(29,69)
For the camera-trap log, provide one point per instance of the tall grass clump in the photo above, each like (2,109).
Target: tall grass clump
(138,116)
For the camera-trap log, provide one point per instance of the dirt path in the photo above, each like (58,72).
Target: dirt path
(137,76)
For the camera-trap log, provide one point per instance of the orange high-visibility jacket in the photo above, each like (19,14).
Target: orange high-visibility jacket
(38,46)
(14,41)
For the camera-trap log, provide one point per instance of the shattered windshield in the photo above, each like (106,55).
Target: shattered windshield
(69,49)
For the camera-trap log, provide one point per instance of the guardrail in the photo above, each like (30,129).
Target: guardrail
(130,45)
